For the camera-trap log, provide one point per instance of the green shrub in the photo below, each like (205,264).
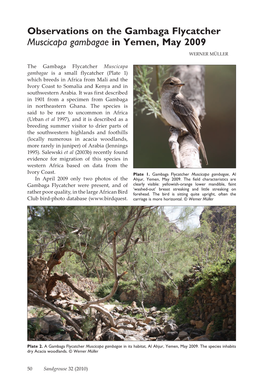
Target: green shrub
(104,289)
(180,310)
(214,274)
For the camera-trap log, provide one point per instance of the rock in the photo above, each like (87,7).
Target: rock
(66,337)
(149,320)
(230,321)
(109,307)
(196,333)
(155,332)
(171,336)
(126,321)
(55,323)
(164,318)
(231,336)
(182,335)
(135,337)
(40,325)
(153,309)
(140,323)
(183,326)
(200,338)
(112,336)
(119,309)
(219,335)
(170,327)
(58,337)
(127,332)
(161,338)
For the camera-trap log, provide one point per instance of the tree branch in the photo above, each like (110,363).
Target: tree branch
(59,311)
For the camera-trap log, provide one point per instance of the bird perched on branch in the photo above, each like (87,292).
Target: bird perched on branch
(178,111)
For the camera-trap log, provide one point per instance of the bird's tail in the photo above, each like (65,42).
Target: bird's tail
(202,147)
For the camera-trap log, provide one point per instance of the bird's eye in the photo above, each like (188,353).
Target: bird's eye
(171,83)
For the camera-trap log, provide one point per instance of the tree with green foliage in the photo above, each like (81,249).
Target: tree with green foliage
(216,237)
(137,244)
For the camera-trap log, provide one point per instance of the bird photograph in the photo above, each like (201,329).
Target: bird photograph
(185,116)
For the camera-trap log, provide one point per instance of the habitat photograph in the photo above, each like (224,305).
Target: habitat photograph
(199,102)
(131,273)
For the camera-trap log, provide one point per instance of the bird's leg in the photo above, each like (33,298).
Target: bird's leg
(174,145)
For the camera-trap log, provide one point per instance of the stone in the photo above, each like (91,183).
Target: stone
(231,336)
(140,323)
(225,324)
(111,336)
(155,332)
(171,321)
(200,338)
(66,337)
(119,309)
(55,323)
(135,337)
(182,335)
(171,336)
(109,307)
(136,311)
(149,320)
(170,327)
(219,336)
(230,321)
(161,338)
(196,332)
(164,318)
(40,325)
(126,321)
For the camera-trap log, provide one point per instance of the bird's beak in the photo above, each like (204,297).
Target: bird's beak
(181,84)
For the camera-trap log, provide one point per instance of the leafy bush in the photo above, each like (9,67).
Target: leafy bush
(104,289)
(214,274)
(179,311)
(218,323)
(124,286)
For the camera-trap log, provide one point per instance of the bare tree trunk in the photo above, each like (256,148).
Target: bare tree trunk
(182,144)
(67,280)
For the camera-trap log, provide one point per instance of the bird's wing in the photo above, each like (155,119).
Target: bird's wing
(184,110)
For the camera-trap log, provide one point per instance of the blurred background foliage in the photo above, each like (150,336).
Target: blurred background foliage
(151,149)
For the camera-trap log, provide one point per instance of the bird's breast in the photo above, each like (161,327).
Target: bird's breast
(168,112)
